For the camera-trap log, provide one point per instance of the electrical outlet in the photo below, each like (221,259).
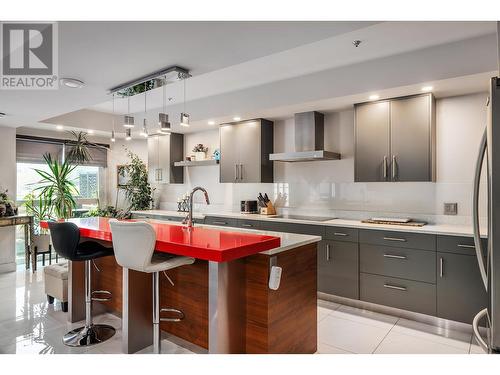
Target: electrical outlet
(450,208)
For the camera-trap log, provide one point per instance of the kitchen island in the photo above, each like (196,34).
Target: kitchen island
(224,295)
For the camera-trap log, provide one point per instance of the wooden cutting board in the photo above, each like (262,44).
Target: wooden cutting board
(408,224)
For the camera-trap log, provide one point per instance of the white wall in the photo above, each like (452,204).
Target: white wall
(8,181)
(328,187)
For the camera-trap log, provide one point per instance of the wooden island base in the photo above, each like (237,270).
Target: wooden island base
(273,321)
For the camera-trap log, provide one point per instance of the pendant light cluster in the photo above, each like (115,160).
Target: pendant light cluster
(143,85)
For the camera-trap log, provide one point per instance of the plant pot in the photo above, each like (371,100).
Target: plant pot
(199,156)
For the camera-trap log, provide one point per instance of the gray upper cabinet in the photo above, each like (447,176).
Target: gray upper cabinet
(395,140)
(372,142)
(245,148)
(411,139)
(163,151)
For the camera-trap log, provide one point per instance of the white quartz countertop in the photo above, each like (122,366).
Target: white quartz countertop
(443,229)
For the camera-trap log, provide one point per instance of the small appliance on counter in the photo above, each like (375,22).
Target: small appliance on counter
(249,207)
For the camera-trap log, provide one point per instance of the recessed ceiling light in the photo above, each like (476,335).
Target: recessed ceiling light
(374,97)
(427,88)
(72,83)
(211,122)
(90,131)
(59,127)
(236,118)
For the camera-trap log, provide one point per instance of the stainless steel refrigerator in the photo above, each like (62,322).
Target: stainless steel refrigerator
(489,257)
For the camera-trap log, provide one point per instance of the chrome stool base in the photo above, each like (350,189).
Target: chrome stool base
(87,336)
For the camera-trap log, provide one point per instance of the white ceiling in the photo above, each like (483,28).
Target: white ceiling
(253,69)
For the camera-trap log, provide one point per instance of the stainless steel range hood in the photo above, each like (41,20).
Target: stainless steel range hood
(309,140)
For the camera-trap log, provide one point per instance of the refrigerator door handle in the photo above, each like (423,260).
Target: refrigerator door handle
(475,329)
(475,210)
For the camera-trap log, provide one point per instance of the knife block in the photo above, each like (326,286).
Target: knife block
(269,210)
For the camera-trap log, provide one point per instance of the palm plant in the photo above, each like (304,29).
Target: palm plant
(39,207)
(79,152)
(57,187)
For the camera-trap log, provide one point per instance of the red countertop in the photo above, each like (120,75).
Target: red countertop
(199,242)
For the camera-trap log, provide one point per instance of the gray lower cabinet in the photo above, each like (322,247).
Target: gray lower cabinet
(400,293)
(460,290)
(221,221)
(248,224)
(411,264)
(338,271)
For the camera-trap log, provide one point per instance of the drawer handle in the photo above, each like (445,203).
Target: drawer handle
(247,225)
(395,239)
(389,286)
(220,222)
(392,256)
(466,246)
(340,234)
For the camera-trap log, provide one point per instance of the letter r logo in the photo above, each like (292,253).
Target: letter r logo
(27,49)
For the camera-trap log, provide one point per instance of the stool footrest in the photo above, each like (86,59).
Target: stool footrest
(176,311)
(106,293)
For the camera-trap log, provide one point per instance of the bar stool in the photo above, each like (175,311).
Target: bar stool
(66,241)
(134,245)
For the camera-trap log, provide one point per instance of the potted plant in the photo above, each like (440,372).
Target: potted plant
(57,187)
(41,209)
(7,206)
(138,190)
(200,152)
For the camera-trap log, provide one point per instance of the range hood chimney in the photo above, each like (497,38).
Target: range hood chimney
(309,140)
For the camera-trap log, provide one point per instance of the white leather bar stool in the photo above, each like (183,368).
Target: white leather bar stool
(134,245)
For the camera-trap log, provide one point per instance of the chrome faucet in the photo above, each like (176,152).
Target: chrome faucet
(189,218)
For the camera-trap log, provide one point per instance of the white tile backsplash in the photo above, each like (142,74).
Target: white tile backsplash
(328,188)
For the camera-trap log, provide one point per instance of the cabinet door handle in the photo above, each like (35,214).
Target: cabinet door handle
(441,267)
(236,172)
(220,222)
(466,246)
(394,169)
(392,256)
(241,171)
(327,252)
(395,239)
(384,167)
(389,286)
(160,174)
(340,234)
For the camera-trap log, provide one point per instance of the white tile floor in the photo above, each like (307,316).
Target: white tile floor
(28,324)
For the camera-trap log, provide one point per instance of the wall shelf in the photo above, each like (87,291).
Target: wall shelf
(200,163)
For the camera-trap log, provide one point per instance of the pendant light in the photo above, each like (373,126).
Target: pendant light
(144,131)
(128,134)
(165,127)
(113,139)
(128,121)
(184,115)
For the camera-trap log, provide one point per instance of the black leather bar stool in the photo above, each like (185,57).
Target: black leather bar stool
(66,241)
